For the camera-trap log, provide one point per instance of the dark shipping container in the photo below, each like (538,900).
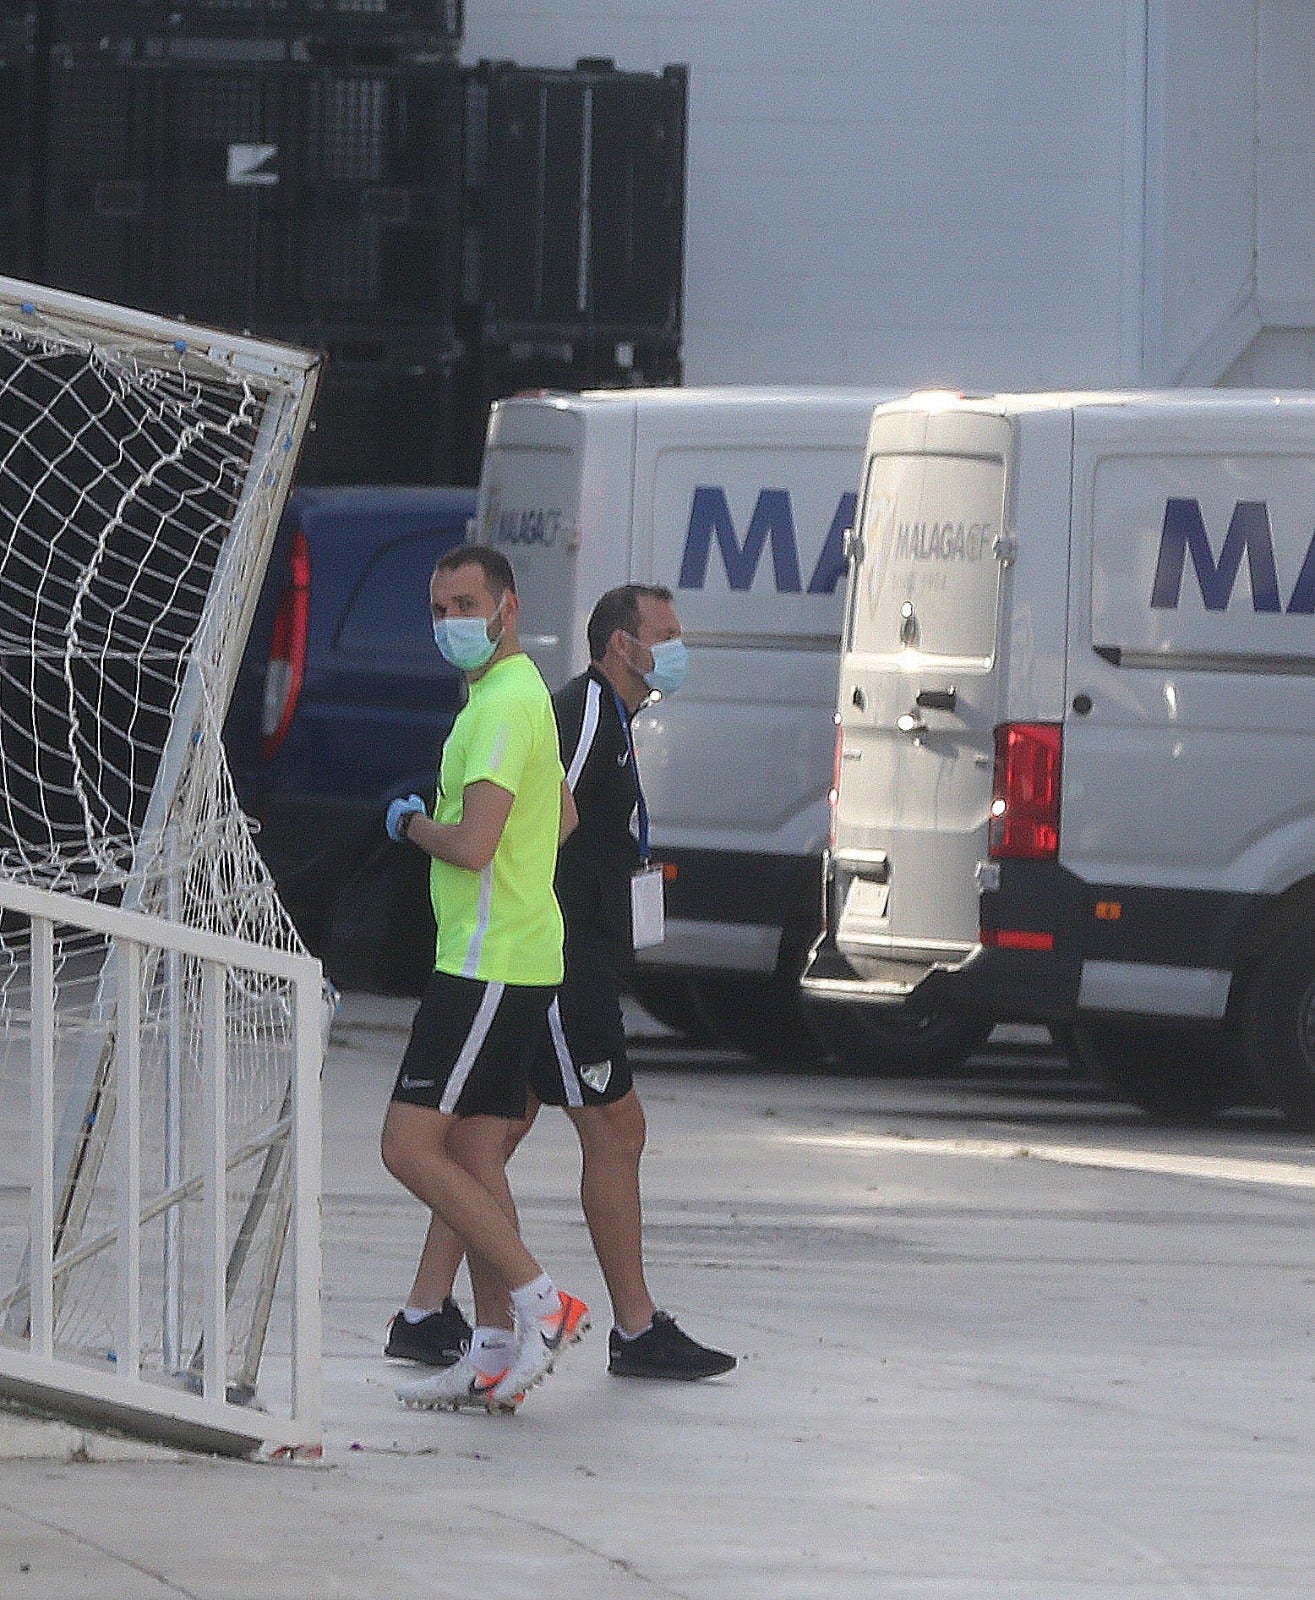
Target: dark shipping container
(384,413)
(251,196)
(576,193)
(19,121)
(390,28)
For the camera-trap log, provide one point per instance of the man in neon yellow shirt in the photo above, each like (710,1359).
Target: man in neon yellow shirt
(502,810)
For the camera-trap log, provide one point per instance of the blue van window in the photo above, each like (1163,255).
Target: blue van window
(389,613)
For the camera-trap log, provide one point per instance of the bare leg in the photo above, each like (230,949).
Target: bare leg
(436,1273)
(611,1143)
(480,1145)
(476,1206)
(442,1251)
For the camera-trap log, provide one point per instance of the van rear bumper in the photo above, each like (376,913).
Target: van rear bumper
(1117,949)
(973,978)
(1021,985)
(882,981)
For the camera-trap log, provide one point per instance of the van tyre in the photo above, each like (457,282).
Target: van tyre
(1176,1074)
(899,1042)
(763,1016)
(667,997)
(874,1041)
(773,1021)
(1278,1024)
(760,1017)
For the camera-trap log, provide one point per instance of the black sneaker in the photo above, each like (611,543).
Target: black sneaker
(664,1352)
(437,1340)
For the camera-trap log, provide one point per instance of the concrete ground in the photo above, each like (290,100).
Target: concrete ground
(998,1338)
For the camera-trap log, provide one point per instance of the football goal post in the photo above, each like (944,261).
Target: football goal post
(161,1025)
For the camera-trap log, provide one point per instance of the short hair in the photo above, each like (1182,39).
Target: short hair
(494,565)
(619,608)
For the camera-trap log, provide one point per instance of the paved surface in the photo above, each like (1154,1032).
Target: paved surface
(999,1338)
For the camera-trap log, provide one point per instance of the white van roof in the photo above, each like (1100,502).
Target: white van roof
(1212,401)
(745,395)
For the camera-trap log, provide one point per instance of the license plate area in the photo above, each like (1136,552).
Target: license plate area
(868,901)
(863,878)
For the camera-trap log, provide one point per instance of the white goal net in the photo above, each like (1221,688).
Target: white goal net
(143,468)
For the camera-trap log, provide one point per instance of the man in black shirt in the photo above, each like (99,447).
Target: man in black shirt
(635,650)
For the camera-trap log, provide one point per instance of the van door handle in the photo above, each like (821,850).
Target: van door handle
(937,699)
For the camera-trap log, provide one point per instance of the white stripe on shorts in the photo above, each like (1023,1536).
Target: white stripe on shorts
(570,1078)
(469,1053)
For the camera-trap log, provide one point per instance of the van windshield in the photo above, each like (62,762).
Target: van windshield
(927,577)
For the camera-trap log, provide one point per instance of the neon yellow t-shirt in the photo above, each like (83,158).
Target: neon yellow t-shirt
(503,924)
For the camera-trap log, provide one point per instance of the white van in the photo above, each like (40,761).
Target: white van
(1076,744)
(739,501)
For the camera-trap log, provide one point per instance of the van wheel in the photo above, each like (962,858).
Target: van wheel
(1178,1074)
(667,997)
(762,1017)
(898,1042)
(1278,1024)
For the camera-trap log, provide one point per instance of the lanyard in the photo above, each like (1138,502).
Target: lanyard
(634,767)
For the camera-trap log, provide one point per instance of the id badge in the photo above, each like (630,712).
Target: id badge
(648,917)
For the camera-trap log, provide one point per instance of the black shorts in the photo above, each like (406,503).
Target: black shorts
(471,1046)
(581,1059)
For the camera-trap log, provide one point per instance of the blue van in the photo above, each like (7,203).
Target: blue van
(341,703)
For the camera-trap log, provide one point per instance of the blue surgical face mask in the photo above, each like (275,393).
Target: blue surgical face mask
(670,666)
(465,642)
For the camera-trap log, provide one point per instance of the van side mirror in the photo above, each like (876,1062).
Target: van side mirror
(851,545)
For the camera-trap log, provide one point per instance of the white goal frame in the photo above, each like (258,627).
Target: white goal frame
(33,1372)
(96,1122)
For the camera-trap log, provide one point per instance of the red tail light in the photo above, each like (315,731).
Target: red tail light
(1025,799)
(287,651)
(1018,939)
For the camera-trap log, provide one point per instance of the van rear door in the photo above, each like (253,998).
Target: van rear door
(919,693)
(555,496)
(529,508)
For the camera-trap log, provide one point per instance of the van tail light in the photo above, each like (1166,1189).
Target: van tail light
(1025,796)
(1018,939)
(833,796)
(286,667)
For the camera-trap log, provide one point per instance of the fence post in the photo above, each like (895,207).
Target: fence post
(41,991)
(307,1252)
(215,1230)
(128,1126)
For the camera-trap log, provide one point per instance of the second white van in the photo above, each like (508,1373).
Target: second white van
(1076,760)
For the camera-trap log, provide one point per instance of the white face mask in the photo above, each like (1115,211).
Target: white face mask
(465,642)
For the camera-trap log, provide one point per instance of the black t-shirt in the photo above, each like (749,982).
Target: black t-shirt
(595,864)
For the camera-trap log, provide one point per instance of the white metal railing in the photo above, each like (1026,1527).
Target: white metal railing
(165,1404)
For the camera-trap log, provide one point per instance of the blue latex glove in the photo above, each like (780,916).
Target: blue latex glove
(397,810)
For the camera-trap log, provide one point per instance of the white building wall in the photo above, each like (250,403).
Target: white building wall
(1286,160)
(1200,187)
(1282,310)
(995,194)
